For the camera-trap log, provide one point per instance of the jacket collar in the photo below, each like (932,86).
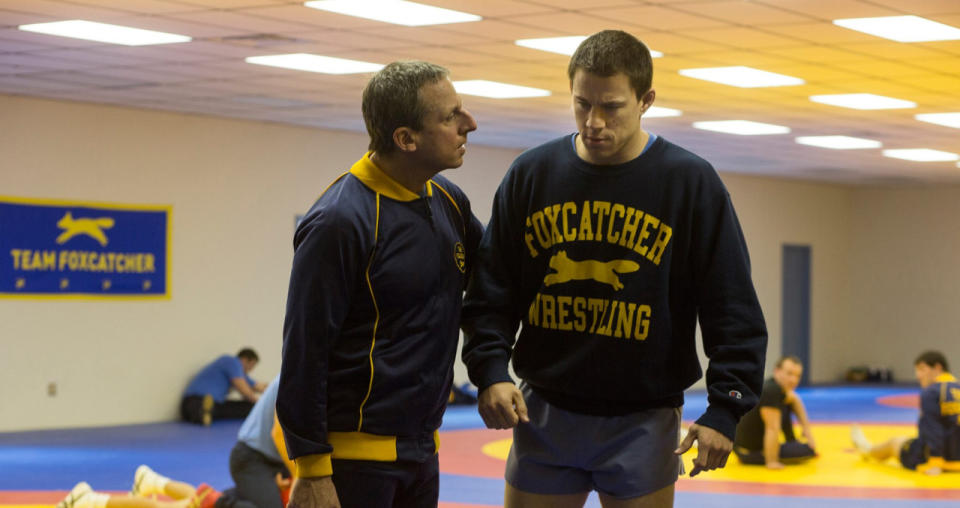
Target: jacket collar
(377,180)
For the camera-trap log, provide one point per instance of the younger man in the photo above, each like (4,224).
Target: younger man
(608,245)
(205,398)
(937,447)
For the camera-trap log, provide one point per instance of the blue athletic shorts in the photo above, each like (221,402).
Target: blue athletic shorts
(560,452)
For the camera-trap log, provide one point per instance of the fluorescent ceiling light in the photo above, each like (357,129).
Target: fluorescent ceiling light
(862,101)
(742,127)
(102,32)
(658,112)
(562,45)
(921,155)
(902,28)
(838,142)
(315,63)
(743,77)
(492,89)
(398,12)
(945,119)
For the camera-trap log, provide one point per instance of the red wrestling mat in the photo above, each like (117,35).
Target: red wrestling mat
(52,497)
(39,497)
(787,489)
(909,401)
(460,452)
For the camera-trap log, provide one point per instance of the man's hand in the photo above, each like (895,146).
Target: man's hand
(713,448)
(316,492)
(775,465)
(501,406)
(282,483)
(933,471)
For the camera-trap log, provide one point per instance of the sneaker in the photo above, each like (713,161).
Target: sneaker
(205,497)
(860,441)
(145,482)
(73,498)
(207,408)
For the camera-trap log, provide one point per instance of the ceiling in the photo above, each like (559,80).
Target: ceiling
(793,37)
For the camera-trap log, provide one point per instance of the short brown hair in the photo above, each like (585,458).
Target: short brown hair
(248,354)
(932,358)
(790,358)
(391,100)
(611,51)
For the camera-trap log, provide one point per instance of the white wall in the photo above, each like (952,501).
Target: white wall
(777,212)
(905,264)
(235,187)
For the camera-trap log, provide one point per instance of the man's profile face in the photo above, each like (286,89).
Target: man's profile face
(441,142)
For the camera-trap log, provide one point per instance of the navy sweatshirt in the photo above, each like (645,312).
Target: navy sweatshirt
(372,321)
(608,269)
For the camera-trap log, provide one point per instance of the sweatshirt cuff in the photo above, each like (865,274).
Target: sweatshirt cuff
(720,420)
(310,466)
(491,372)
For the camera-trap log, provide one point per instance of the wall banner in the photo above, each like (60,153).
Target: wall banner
(71,249)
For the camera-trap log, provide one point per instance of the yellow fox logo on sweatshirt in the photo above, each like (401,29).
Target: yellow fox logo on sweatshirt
(567,269)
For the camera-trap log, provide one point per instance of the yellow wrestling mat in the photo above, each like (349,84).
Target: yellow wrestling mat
(838,464)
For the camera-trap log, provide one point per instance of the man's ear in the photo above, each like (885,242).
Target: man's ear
(405,139)
(647,100)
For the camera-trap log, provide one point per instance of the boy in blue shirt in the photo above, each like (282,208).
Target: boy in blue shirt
(205,398)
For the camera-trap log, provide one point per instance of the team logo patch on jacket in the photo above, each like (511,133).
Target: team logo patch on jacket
(460,256)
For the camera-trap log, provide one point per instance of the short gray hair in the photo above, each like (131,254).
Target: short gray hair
(392,100)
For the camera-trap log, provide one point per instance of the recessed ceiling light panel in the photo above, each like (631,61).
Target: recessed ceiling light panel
(742,127)
(921,155)
(838,142)
(658,112)
(902,28)
(398,12)
(315,63)
(740,76)
(562,45)
(495,90)
(945,119)
(103,32)
(862,101)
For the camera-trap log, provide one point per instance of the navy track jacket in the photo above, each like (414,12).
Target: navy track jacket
(372,321)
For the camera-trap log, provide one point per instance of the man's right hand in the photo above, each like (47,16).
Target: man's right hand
(501,406)
(317,492)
